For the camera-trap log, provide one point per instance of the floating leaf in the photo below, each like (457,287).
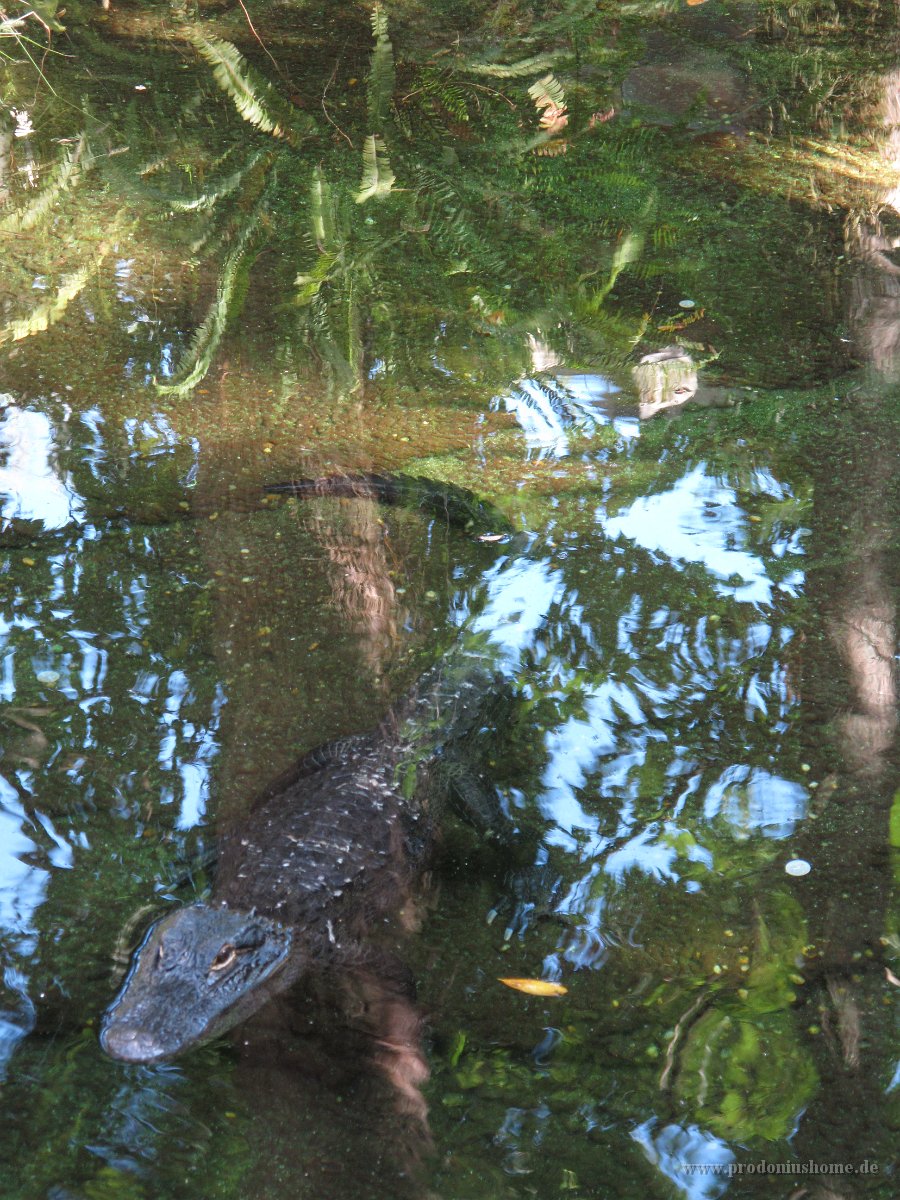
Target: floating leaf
(536,987)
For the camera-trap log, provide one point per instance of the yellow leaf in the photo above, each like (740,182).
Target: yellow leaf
(536,987)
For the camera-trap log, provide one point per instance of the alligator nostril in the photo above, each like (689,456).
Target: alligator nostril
(130,1043)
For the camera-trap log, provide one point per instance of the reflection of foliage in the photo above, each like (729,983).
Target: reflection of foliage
(128,1111)
(251,94)
(475,197)
(478,239)
(44,315)
(449,222)
(73,161)
(819,78)
(741,1066)
(377,176)
(205,341)
(381,71)
(18,22)
(744,1080)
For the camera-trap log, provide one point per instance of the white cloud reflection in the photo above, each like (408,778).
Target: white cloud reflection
(29,478)
(699,520)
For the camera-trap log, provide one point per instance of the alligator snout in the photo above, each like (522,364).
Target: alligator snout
(131,1044)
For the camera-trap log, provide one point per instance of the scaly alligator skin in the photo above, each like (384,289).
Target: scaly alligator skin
(323,856)
(298,886)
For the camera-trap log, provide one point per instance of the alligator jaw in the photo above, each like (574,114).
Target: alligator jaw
(199,971)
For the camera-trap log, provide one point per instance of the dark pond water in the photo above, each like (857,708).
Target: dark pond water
(628,272)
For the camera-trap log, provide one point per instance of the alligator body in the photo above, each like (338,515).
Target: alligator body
(299,884)
(326,854)
(456,505)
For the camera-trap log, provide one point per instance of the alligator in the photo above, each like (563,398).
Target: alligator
(327,853)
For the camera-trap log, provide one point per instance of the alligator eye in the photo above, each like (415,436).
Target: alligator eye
(224,958)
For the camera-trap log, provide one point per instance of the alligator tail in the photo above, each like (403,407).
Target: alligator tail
(456,505)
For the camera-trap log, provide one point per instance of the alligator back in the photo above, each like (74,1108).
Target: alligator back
(333,849)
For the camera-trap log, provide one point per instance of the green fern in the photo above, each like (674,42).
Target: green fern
(196,360)
(526,66)
(442,92)
(252,95)
(566,22)
(221,188)
(44,315)
(321,209)
(70,168)
(381,72)
(547,91)
(377,176)
(308,286)
(665,236)
(455,227)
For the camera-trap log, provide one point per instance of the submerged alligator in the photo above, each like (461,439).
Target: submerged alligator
(327,852)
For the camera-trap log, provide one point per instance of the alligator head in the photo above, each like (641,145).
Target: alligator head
(198,971)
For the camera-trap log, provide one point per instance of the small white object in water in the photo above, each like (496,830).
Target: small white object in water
(24,127)
(687,303)
(797,866)
(48,677)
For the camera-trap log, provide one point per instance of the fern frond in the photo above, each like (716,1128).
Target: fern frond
(548,91)
(455,226)
(377,176)
(222,188)
(309,285)
(527,66)
(381,72)
(71,166)
(665,235)
(379,22)
(321,210)
(253,96)
(51,311)
(440,89)
(196,360)
(627,252)
(564,22)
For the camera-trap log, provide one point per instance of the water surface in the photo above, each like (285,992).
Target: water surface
(629,273)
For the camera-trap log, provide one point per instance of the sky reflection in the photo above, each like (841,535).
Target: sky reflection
(700,520)
(30,480)
(549,408)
